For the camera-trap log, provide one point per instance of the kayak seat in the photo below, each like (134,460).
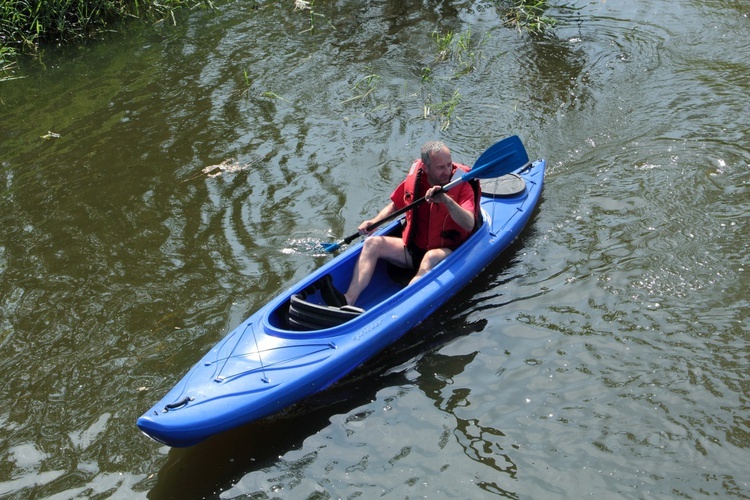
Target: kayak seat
(305,315)
(329,292)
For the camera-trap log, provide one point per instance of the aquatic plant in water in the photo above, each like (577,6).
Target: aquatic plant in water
(459,53)
(370,82)
(310,6)
(6,66)
(443,110)
(529,15)
(460,49)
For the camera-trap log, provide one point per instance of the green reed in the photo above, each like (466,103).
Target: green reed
(528,15)
(442,110)
(24,24)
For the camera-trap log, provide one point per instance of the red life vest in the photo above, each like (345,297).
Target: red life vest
(442,231)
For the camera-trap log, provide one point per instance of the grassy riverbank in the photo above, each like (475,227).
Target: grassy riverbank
(25,24)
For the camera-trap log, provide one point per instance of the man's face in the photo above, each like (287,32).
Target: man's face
(440,169)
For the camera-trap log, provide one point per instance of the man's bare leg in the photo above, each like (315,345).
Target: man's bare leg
(431,259)
(375,248)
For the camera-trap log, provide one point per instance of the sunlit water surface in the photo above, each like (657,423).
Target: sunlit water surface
(198,167)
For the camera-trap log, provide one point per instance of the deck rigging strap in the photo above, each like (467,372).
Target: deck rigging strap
(220,378)
(265,378)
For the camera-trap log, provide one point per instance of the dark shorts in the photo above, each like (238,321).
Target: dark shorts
(417,254)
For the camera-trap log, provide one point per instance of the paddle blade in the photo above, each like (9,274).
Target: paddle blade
(502,158)
(331,247)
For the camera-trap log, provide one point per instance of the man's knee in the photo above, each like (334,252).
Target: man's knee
(373,244)
(433,257)
(378,247)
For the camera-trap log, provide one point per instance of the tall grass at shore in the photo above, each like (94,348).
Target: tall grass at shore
(24,24)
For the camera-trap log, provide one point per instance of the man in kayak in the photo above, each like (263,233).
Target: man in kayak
(433,229)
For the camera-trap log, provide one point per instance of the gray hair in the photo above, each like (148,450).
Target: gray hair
(429,148)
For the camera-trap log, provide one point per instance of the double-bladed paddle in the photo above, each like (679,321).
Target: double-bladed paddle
(501,158)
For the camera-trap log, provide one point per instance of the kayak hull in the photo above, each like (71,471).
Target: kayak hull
(265,365)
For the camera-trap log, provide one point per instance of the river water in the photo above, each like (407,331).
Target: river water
(161,184)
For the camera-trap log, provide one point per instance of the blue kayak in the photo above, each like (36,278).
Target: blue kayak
(297,345)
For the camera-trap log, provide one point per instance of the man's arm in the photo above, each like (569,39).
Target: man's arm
(385,212)
(459,214)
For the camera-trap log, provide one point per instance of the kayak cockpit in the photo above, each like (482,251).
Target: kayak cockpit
(309,309)
(314,307)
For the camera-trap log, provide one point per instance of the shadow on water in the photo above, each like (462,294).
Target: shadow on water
(206,469)
(214,465)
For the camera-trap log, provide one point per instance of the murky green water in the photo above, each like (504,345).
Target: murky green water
(606,355)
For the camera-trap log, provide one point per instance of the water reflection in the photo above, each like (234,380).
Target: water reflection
(240,455)
(482,443)
(608,355)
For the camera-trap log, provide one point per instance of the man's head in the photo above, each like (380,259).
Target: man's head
(438,162)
